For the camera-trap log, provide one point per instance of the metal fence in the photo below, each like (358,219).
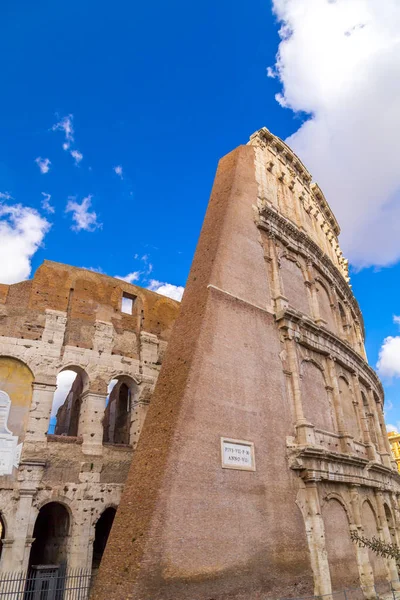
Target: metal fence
(383,590)
(46,583)
(59,583)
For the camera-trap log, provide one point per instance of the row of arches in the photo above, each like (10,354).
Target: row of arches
(342,553)
(310,294)
(52,531)
(317,392)
(72,384)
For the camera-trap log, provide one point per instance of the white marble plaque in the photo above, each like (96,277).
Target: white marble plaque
(237,454)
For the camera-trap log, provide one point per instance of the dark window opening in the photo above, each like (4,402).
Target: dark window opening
(102,531)
(51,536)
(117,416)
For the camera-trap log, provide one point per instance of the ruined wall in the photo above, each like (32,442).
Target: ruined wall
(267,348)
(71,319)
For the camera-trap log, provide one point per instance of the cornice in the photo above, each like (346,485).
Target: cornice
(317,464)
(263,138)
(306,333)
(287,232)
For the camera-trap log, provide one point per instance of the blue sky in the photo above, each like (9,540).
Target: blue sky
(163,90)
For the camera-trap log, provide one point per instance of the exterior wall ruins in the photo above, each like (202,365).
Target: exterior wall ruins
(268,348)
(67,318)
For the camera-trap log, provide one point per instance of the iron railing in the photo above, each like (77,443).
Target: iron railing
(46,583)
(59,583)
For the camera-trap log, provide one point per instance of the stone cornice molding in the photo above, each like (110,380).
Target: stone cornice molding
(325,208)
(309,335)
(263,138)
(288,233)
(316,464)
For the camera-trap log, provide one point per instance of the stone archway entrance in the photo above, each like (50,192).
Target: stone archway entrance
(51,536)
(102,531)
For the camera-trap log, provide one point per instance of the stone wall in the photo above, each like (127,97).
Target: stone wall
(67,318)
(267,351)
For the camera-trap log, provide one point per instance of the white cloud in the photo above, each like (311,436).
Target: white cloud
(77,156)
(46,203)
(95,270)
(396,319)
(392,428)
(166,289)
(22,230)
(5,196)
(84,219)
(388,364)
(65,379)
(118,171)
(65,125)
(130,278)
(339,62)
(43,164)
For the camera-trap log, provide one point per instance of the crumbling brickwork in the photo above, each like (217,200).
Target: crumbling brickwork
(67,318)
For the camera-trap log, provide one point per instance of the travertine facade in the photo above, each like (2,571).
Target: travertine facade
(70,318)
(394,440)
(268,347)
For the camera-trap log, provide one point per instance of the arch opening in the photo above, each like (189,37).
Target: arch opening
(102,531)
(348,408)
(341,550)
(67,402)
(117,415)
(51,536)
(316,404)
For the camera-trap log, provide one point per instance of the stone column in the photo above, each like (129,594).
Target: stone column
(280,300)
(346,440)
(21,546)
(90,422)
(364,565)
(383,449)
(390,562)
(365,421)
(304,430)
(80,546)
(39,413)
(6,562)
(316,540)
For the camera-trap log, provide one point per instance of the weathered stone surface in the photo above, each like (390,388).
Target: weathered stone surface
(69,318)
(267,310)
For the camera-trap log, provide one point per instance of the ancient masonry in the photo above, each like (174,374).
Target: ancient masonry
(59,491)
(264,444)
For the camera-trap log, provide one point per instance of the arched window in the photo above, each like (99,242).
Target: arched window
(390,522)
(348,408)
(294,288)
(102,531)
(371,530)
(343,319)
(67,401)
(316,405)
(117,416)
(340,549)
(324,304)
(370,419)
(51,536)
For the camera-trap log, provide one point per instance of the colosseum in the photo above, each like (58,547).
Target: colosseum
(265,444)
(64,454)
